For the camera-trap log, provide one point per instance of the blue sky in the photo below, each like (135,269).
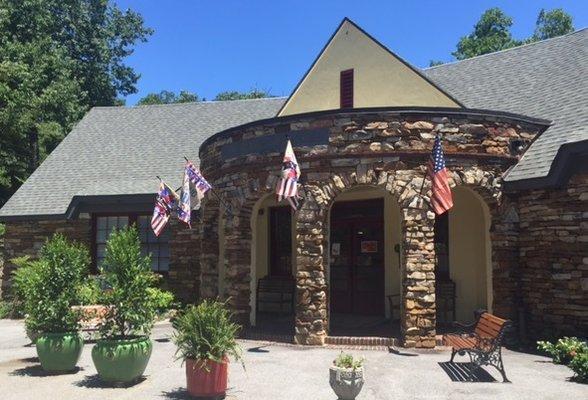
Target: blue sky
(211,46)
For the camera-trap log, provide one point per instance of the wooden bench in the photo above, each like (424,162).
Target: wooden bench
(482,341)
(275,295)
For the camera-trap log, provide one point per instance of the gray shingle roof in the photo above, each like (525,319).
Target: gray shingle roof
(547,79)
(120,150)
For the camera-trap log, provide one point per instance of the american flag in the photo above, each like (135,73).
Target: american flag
(287,186)
(441,199)
(165,202)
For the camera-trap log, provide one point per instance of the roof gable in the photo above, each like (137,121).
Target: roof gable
(381,78)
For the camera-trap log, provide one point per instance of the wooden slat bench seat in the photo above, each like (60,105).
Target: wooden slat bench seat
(481,341)
(275,295)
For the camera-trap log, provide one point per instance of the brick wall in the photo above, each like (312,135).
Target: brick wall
(553,243)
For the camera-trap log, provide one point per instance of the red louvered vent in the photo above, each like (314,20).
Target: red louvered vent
(346,85)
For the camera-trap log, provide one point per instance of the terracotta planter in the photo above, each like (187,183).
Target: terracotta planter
(206,378)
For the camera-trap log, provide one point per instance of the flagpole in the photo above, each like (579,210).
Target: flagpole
(221,201)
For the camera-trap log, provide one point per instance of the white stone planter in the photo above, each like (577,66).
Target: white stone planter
(346,383)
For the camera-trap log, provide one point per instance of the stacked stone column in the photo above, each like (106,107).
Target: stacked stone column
(418,278)
(311,283)
(238,262)
(209,249)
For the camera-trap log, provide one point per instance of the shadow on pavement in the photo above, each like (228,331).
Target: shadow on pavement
(259,349)
(37,371)
(459,372)
(94,382)
(182,394)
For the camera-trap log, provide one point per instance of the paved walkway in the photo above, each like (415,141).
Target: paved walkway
(284,372)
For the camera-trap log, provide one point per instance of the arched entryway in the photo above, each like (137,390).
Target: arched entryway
(463,252)
(272,294)
(364,282)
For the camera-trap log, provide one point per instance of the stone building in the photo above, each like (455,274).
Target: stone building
(364,253)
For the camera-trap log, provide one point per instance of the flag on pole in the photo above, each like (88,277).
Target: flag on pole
(287,186)
(165,202)
(194,187)
(441,199)
(184,209)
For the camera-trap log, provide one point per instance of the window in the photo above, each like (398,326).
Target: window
(158,247)
(280,237)
(104,226)
(346,88)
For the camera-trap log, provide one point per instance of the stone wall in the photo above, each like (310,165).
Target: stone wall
(389,150)
(554,259)
(27,237)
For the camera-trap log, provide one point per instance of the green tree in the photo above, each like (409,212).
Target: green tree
(551,24)
(234,95)
(57,59)
(167,97)
(434,63)
(491,33)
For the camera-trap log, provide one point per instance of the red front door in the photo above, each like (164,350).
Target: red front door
(357,257)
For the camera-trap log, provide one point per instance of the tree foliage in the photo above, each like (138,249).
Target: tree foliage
(167,97)
(492,32)
(234,95)
(552,23)
(58,58)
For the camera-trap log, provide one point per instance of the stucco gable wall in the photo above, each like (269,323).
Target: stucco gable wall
(380,78)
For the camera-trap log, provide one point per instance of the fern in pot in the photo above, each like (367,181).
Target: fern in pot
(205,337)
(48,288)
(124,348)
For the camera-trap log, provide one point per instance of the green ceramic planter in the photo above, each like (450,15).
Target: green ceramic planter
(122,361)
(59,352)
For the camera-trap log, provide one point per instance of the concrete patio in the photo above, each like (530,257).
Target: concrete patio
(286,372)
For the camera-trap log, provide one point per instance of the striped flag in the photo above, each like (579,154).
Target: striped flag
(199,185)
(194,187)
(441,199)
(165,202)
(287,186)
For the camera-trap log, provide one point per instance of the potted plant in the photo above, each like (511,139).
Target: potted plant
(48,288)
(205,337)
(346,376)
(124,348)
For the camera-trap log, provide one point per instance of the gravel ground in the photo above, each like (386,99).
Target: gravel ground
(276,371)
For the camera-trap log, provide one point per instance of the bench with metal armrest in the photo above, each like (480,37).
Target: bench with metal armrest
(481,341)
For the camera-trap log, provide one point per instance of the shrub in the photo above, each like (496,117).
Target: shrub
(579,365)
(5,309)
(564,350)
(130,279)
(162,300)
(48,287)
(346,360)
(206,332)
(90,292)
